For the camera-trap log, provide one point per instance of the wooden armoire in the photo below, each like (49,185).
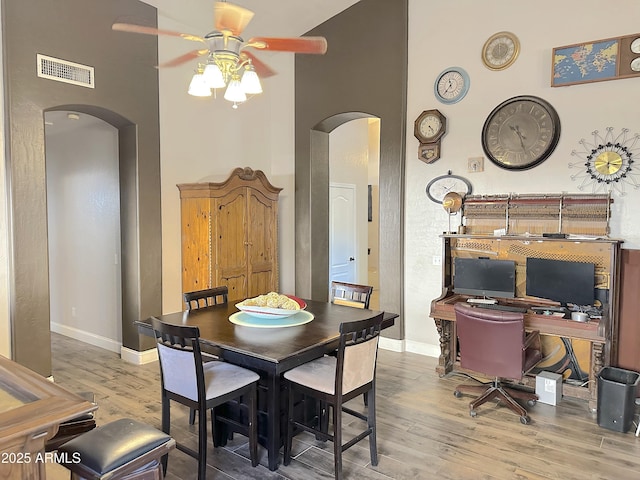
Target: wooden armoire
(230,234)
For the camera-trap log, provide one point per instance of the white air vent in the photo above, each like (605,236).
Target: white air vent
(64,71)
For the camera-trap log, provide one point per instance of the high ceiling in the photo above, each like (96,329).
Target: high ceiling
(281,18)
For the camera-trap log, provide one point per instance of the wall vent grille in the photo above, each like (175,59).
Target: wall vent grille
(64,71)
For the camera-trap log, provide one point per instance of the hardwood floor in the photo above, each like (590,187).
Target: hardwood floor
(424,432)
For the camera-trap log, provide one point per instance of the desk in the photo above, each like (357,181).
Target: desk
(31,409)
(269,351)
(602,336)
(445,319)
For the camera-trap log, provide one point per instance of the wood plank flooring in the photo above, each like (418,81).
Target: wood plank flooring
(424,432)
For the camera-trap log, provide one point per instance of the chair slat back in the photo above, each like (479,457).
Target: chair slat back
(357,353)
(351,294)
(180,359)
(205,298)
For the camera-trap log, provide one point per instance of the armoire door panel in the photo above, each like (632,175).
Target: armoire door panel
(196,265)
(237,285)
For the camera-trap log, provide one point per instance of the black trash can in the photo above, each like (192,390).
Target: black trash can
(617,398)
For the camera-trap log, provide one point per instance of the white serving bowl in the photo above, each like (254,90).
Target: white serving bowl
(267,312)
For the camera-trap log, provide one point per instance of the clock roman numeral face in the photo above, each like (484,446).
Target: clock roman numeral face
(450,85)
(500,50)
(520,133)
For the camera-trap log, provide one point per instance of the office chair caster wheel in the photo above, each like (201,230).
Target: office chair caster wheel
(457,394)
(473,413)
(524,420)
(531,402)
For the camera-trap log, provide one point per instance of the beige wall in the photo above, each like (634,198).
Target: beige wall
(444,34)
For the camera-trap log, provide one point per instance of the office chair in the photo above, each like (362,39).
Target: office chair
(203,386)
(494,343)
(206,298)
(332,381)
(200,299)
(351,294)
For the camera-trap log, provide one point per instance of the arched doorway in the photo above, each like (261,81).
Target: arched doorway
(84,241)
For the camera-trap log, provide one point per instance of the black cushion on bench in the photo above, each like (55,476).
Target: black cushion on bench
(113,445)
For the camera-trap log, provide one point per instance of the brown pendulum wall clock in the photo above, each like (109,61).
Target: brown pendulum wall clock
(429,128)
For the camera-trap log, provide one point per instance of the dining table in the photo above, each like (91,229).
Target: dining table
(269,350)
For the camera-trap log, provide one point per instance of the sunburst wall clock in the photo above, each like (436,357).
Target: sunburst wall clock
(607,163)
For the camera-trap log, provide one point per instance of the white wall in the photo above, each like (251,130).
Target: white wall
(445,34)
(83,204)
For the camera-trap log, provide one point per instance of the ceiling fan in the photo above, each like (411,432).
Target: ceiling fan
(229,60)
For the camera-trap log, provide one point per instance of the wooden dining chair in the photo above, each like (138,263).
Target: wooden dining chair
(206,298)
(201,299)
(202,386)
(332,381)
(351,294)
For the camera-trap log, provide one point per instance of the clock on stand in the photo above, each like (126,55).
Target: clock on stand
(429,128)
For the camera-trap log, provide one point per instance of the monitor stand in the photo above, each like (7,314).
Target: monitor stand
(485,301)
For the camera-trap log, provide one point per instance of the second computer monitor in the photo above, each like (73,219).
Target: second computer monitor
(561,281)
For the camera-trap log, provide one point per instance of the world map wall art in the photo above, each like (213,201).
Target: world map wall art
(596,61)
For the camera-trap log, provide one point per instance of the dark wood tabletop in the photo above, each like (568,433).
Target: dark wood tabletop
(275,346)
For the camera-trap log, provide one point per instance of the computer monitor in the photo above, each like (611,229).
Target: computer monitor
(484,277)
(561,281)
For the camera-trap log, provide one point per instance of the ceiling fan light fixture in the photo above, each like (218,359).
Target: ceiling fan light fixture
(213,76)
(250,81)
(198,86)
(235,92)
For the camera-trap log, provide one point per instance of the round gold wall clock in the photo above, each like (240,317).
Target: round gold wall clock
(521,132)
(500,50)
(606,163)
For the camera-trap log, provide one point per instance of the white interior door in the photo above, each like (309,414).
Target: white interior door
(342,233)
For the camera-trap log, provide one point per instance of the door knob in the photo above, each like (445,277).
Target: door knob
(351,259)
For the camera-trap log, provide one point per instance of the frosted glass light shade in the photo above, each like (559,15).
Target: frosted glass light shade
(234,92)
(213,76)
(250,82)
(198,86)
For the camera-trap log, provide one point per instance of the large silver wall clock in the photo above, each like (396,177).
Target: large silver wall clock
(521,132)
(607,163)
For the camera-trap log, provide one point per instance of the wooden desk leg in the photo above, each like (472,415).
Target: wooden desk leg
(273,420)
(445,361)
(597,362)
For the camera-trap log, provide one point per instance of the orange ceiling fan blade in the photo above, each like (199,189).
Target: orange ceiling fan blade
(316,45)
(262,69)
(230,17)
(133,28)
(193,54)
